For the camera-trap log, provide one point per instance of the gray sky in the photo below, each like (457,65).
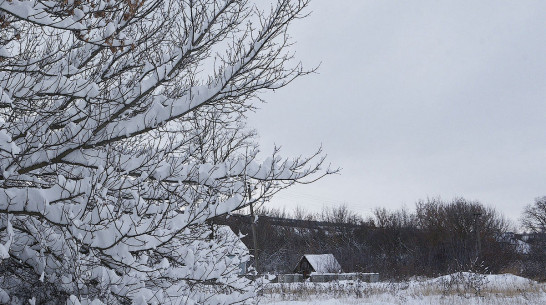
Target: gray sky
(417,99)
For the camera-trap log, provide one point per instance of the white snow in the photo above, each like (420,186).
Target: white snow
(323,263)
(502,289)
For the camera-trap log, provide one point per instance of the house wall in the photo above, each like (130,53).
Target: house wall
(304,267)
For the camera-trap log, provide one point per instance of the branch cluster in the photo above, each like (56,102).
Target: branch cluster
(122,131)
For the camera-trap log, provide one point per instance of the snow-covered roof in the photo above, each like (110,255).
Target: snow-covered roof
(323,263)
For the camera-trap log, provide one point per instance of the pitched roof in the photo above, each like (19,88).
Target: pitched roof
(323,263)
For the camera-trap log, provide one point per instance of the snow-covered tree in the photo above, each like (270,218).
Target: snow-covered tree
(122,132)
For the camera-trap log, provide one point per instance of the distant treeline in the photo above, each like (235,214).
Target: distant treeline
(438,237)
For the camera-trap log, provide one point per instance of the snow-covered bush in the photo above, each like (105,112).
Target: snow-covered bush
(121,133)
(463,283)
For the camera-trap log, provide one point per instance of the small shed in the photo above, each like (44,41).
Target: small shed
(318,263)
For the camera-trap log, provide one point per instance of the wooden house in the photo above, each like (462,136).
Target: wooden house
(317,263)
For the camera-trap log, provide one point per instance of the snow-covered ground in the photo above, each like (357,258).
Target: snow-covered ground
(456,289)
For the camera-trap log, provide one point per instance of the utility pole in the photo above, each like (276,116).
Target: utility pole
(477,230)
(253,226)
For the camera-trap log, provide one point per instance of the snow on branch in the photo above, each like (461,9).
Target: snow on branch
(122,134)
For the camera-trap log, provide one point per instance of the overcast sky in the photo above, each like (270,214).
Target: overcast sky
(416,99)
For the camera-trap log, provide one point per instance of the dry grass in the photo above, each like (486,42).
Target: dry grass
(453,289)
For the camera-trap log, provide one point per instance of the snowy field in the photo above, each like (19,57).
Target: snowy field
(458,288)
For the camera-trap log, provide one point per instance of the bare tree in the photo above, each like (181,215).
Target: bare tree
(534,220)
(462,234)
(121,133)
(534,216)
